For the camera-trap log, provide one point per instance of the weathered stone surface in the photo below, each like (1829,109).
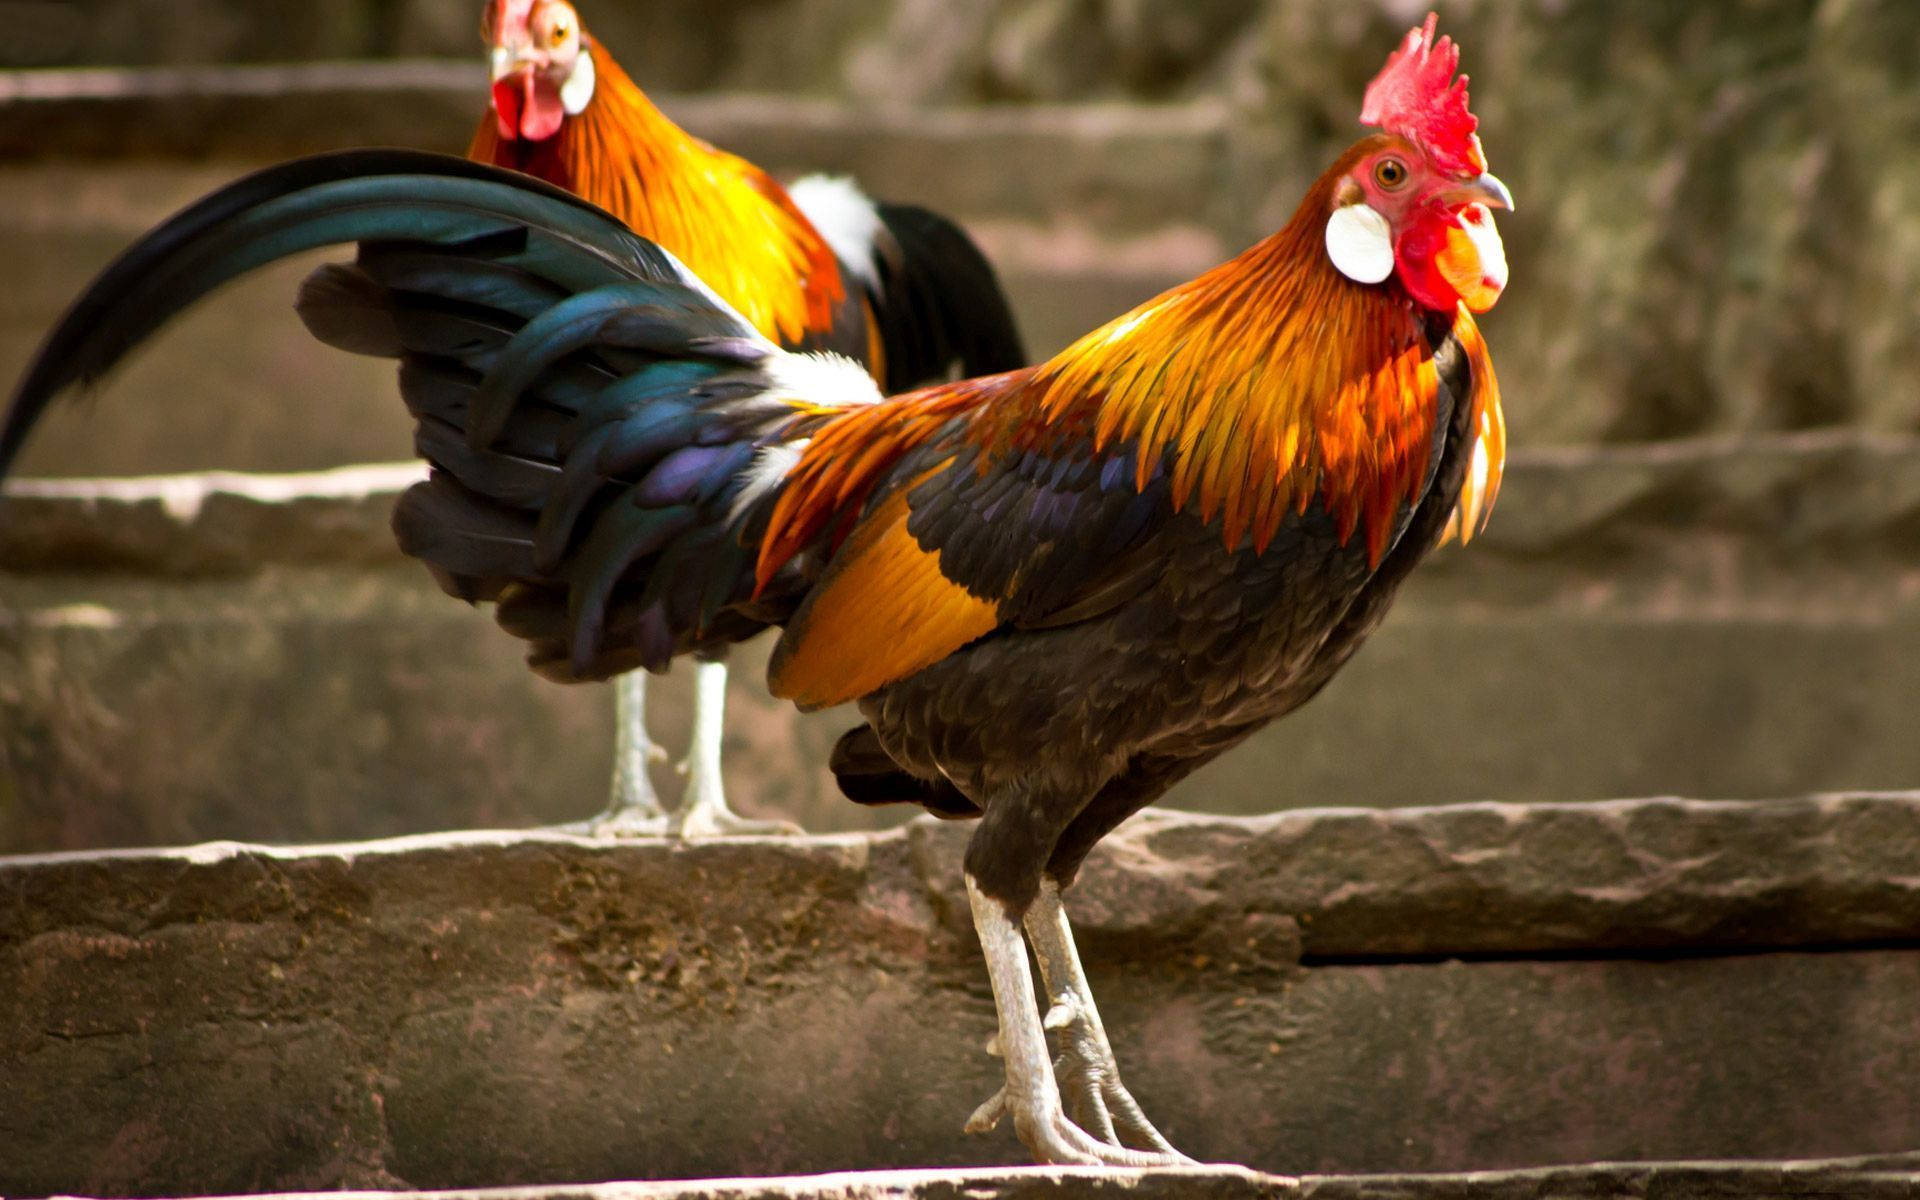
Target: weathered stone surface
(490,1009)
(1116,168)
(1867,1179)
(885,50)
(325,705)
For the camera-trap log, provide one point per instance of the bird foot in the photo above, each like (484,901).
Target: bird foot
(1103,1111)
(704,813)
(1101,1103)
(698,821)
(620,822)
(1047,1132)
(1085,1069)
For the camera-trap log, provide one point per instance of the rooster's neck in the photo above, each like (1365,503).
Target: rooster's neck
(727,220)
(1267,384)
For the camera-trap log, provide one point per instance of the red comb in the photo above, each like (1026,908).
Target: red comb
(1416,96)
(505,16)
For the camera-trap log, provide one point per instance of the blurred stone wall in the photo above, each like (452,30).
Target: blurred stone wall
(1720,206)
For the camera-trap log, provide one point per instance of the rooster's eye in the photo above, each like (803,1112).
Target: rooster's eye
(1390,173)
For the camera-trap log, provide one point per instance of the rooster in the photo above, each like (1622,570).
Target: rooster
(1052,592)
(899,288)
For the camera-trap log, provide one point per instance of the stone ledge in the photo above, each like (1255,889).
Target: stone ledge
(211,524)
(1836,490)
(1863,1178)
(487,1010)
(1659,875)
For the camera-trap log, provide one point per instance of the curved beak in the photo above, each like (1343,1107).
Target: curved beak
(1485,190)
(512,59)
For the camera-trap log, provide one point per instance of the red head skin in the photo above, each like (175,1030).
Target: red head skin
(1430,181)
(1444,248)
(536,47)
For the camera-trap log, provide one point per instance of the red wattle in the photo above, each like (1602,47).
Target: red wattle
(527,106)
(1419,274)
(506,108)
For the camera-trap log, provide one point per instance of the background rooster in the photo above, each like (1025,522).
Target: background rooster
(1053,592)
(900,289)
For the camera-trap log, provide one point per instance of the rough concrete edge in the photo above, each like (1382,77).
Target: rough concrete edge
(1786,490)
(1859,1176)
(1353,885)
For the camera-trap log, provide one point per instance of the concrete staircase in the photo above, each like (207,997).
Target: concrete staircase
(1335,991)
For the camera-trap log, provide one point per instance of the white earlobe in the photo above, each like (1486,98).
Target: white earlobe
(1360,243)
(577,92)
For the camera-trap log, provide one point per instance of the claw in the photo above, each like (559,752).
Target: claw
(1062,1015)
(993,1045)
(987,1117)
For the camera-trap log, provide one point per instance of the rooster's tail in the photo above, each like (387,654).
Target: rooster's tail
(606,434)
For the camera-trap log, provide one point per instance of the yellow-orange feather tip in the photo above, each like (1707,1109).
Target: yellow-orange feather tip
(1485,471)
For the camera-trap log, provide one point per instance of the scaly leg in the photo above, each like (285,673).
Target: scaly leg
(634,808)
(703,811)
(1100,1101)
(1031,1093)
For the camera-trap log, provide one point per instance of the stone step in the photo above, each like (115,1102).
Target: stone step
(1858,1179)
(1336,992)
(194,658)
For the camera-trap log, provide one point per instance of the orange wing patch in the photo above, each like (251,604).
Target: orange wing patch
(883,612)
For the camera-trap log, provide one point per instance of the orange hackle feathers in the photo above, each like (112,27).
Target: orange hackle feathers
(850,453)
(883,612)
(1268,382)
(1416,96)
(727,220)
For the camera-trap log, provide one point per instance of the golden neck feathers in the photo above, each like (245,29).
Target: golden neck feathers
(727,220)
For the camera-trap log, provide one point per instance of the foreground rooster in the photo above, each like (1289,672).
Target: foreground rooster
(1052,592)
(898,288)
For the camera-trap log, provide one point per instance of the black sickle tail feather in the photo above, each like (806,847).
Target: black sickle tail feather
(941,305)
(589,408)
(243,226)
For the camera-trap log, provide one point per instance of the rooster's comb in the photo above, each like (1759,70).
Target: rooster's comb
(1416,96)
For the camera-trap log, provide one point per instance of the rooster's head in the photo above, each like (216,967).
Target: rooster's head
(542,70)
(1414,199)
